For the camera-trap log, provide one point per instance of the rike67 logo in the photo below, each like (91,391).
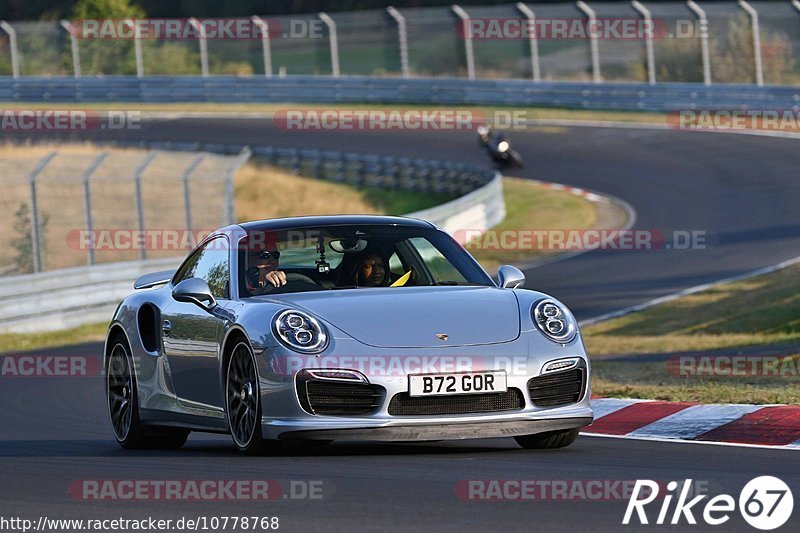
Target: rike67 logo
(765,503)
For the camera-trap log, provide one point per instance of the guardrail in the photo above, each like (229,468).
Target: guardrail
(425,91)
(74,296)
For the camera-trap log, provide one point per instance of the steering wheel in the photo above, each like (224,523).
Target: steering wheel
(293,276)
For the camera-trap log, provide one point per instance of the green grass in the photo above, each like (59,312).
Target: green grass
(487,111)
(19,342)
(760,310)
(400,202)
(532,206)
(756,311)
(653,381)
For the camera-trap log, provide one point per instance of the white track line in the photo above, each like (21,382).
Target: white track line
(790,447)
(691,290)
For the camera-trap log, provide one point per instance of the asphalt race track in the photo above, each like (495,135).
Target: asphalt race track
(744,191)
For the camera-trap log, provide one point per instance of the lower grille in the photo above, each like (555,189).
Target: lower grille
(559,388)
(337,398)
(403,404)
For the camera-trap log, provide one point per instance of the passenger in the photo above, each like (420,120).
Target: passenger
(372,271)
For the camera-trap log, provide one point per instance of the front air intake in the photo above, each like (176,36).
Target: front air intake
(339,398)
(557,388)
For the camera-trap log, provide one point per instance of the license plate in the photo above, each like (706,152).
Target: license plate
(467,383)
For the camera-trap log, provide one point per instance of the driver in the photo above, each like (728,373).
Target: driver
(262,271)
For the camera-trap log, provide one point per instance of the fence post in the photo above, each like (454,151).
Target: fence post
(402,37)
(137,176)
(73,39)
(468,50)
(137,48)
(756,41)
(187,201)
(648,40)
(201,38)
(533,40)
(87,201)
(12,45)
(595,50)
(334,40)
(701,17)
(229,214)
(36,229)
(266,49)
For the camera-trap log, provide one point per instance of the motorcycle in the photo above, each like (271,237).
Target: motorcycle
(499,148)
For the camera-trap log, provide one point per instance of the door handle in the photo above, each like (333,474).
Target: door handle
(166,328)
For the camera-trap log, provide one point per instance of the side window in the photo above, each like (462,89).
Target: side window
(211,264)
(396,266)
(440,268)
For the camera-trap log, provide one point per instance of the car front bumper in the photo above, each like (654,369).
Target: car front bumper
(428,428)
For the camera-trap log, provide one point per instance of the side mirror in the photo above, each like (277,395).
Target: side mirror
(196,291)
(509,277)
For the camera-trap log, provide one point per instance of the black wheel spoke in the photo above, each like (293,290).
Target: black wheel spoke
(242,395)
(120,391)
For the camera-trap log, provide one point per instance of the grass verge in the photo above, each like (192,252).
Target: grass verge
(222,108)
(529,206)
(763,310)
(20,342)
(654,381)
(760,310)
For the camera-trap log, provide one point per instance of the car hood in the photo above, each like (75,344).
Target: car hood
(412,317)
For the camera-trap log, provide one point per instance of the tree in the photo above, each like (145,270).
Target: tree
(106,9)
(23,243)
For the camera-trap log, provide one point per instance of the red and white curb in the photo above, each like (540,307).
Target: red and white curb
(760,425)
(577,191)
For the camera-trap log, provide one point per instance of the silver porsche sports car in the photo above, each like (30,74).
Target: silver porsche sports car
(313,329)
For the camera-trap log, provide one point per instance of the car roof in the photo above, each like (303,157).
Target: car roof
(333,220)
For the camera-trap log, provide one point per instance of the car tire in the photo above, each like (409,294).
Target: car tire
(548,440)
(243,402)
(123,405)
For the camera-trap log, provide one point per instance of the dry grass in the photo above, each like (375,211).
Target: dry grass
(208,107)
(764,310)
(760,310)
(532,206)
(266,192)
(653,381)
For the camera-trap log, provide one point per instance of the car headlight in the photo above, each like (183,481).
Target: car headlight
(554,321)
(300,332)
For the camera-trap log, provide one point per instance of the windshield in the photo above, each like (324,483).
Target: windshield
(353,257)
